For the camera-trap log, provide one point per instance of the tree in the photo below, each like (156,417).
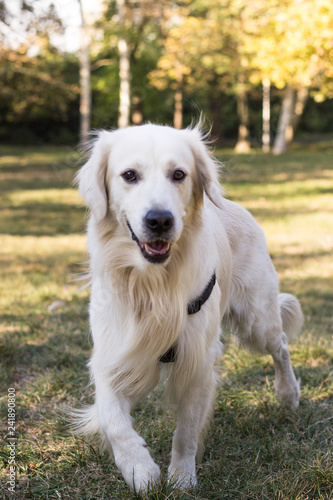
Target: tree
(243,142)
(291,111)
(266,115)
(85,90)
(192,60)
(215,54)
(175,64)
(124,69)
(199,55)
(293,49)
(132,27)
(35,84)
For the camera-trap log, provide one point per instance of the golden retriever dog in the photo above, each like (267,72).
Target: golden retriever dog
(171,262)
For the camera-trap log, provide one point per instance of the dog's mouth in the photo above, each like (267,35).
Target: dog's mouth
(155,251)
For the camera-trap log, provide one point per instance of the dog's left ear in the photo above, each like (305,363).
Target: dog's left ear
(91,177)
(206,168)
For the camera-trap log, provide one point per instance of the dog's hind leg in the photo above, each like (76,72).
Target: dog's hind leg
(275,342)
(286,385)
(268,334)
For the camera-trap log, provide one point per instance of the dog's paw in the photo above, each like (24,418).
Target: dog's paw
(139,469)
(144,476)
(182,475)
(289,393)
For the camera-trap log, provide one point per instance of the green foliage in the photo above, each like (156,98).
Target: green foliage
(38,97)
(255,449)
(214,51)
(38,84)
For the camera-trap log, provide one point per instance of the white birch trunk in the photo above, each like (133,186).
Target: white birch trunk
(292,109)
(285,130)
(266,115)
(85,89)
(124,71)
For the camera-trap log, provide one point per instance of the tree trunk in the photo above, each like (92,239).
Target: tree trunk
(292,109)
(285,130)
(301,98)
(178,113)
(266,115)
(243,143)
(85,89)
(124,71)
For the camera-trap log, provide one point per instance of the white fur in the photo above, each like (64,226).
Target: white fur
(138,309)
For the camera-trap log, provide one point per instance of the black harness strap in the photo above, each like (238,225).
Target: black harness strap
(195,306)
(169,356)
(192,308)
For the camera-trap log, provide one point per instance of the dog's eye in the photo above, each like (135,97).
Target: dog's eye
(178,175)
(129,176)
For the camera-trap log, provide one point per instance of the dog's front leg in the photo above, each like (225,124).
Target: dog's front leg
(193,414)
(130,451)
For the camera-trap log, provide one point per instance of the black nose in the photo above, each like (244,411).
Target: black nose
(159,221)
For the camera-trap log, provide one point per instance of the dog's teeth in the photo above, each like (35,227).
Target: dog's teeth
(149,250)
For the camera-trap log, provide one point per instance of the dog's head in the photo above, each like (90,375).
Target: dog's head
(152,179)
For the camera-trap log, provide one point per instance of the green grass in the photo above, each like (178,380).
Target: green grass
(255,449)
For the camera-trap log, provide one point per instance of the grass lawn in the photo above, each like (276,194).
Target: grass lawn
(255,448)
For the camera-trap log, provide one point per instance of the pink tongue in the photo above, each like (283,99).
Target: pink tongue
(157,246)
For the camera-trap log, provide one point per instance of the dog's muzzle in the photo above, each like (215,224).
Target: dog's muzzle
(158,225)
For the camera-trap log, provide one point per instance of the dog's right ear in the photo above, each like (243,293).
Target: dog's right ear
(91,177)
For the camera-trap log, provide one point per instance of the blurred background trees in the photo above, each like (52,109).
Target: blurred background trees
(258,71)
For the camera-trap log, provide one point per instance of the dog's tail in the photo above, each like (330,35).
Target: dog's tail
(291,314)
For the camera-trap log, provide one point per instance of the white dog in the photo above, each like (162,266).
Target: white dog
(170,261)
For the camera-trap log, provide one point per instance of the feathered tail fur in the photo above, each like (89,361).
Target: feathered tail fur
(291,314)
(84,420)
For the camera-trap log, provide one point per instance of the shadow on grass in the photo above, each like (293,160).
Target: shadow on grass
(33,345)
(42,219)
(260,453)
(38,171)
(52,169)
(256,167)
